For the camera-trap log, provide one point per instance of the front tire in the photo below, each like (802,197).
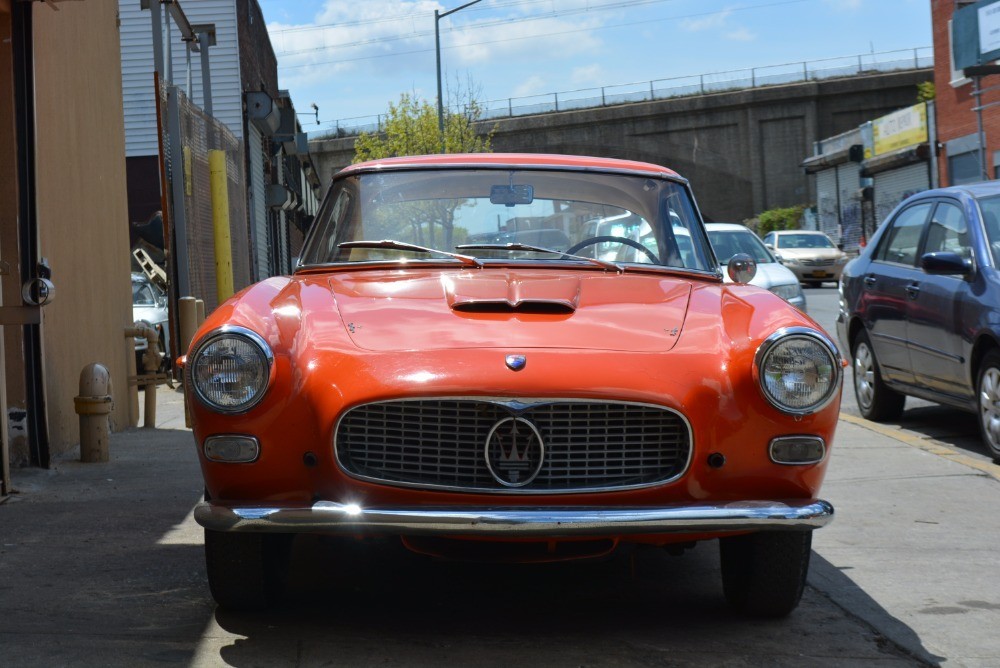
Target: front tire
(876,400)
(764,573)
(246,571)
(988,389)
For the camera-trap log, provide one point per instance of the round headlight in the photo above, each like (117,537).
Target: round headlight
(798,370)
(231,369)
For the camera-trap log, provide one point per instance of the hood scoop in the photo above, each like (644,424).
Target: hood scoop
(504,294)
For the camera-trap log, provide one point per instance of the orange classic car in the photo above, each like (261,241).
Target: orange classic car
(528,357)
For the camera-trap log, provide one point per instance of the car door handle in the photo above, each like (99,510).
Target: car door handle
(869,281)
(913,291)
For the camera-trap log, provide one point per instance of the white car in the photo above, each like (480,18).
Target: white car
(730,238)
(149,307)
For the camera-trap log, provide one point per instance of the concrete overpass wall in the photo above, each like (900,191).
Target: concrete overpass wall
(741,150)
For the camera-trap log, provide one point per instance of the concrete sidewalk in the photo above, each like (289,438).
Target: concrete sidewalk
(101,564)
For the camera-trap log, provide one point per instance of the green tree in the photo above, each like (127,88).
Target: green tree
(926,91)
(411,128)
(787,218)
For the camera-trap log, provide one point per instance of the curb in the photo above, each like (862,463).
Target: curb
(924,443)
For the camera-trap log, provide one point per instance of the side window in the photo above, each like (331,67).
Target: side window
(948,231)
(769,239)
(900,242)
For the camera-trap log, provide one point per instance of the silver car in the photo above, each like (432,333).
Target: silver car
(149,307)
(810,254)
(730,238)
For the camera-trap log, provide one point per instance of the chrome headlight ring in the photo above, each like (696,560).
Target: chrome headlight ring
(822,347)
(255,345)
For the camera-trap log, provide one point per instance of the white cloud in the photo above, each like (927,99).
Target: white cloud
(741,34)
(716,20)
(845,5)
(533,85)
(589,75)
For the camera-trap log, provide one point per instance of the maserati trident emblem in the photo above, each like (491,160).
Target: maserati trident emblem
(515,362)
(514,452)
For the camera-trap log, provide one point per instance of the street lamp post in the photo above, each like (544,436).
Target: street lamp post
(437,48)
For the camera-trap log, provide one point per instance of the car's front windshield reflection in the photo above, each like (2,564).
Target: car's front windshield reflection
(609,217)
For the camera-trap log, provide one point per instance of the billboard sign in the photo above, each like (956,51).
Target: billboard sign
(900,129)
(975,34)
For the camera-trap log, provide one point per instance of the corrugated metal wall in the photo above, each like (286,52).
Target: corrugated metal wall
(895,185)
(827,207)
(258,207)
(849,184)
(139,96)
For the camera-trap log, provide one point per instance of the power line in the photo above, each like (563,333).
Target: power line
(618,4)
(550,34)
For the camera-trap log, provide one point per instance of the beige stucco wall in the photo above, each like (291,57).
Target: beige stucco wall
(81,196)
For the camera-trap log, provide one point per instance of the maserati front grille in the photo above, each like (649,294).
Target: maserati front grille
(581,445)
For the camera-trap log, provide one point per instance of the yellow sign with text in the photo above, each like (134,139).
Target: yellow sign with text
(900,129)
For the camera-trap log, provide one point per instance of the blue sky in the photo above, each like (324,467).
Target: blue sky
(352,58)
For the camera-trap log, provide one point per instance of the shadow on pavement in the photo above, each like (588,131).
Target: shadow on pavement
(374,603)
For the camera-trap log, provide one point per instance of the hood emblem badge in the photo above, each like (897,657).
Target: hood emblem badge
(515,362)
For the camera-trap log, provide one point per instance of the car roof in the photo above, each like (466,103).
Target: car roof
(976,190)
(799,232)
(530,160)
(728,227)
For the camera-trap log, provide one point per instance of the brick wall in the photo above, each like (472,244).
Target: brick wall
(954,115)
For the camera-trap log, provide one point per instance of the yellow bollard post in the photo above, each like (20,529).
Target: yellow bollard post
(220,222)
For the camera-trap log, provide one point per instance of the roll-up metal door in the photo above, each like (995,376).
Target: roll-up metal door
(894,185)
(849,185)
(258,205)
(827,208)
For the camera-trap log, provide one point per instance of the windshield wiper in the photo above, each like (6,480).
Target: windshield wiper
(399,245)
(538,249)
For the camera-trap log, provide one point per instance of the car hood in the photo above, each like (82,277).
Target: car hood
(769,274)
(151,314)
(512,310)
(810,253)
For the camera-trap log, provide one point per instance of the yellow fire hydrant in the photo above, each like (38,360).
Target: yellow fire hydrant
(93,406)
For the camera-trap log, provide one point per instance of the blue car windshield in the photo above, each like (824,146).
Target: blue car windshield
(610,217)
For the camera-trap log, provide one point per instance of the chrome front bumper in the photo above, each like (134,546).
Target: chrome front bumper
(329,517)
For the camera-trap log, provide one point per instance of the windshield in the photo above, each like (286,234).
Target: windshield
(728,243)
(610,217)
(143,294)
(803,241)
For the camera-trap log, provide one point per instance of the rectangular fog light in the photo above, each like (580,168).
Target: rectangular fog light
(797,450)
(230,449)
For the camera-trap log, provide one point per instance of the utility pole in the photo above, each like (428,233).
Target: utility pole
(437,49)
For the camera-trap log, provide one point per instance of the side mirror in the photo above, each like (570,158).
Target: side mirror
(769,246)
(945,264)
(840,247)
(742,268)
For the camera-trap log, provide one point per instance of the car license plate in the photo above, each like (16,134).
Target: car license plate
(819,273)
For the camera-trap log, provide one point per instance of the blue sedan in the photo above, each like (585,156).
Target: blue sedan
(920,308)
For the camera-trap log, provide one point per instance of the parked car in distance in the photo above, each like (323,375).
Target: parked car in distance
(918,308)
(486,398)
(811,255)
(149,307)
(728,239)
